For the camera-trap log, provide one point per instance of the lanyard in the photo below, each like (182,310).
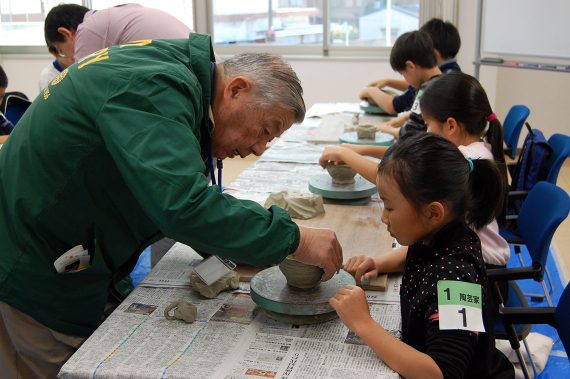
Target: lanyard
(219,166)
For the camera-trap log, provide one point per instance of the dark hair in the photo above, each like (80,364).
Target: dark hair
(462,97)
(412,46)
(428,167)
(444,36)
(3,78)
(68,16)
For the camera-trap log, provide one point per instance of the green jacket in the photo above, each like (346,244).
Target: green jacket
(111,156)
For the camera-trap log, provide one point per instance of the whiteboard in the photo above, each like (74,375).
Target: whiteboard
(527,27)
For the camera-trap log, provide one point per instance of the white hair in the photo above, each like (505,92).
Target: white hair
(275,84)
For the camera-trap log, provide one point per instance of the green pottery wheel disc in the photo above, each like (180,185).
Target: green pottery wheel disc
(322,185)
(382,139)
(270,291)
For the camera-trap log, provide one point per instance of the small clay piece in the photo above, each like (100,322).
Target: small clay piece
(300,275)
(230,281)
(301,206)
(341,173)
(183,310)
(366,132)
(356,119)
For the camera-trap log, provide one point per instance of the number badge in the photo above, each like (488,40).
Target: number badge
(460,305)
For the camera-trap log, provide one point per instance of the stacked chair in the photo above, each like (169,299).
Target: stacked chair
(543,210)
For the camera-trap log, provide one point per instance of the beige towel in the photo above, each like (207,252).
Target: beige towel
(301,206)
(539,346)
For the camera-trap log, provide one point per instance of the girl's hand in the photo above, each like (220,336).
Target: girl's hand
(361,267)
(389,129)
(331,153)
(383,127)
(365,93)
(352,308)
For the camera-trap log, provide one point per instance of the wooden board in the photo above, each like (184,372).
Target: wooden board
(358,228)
(332,126)
(247,272)
(377,284)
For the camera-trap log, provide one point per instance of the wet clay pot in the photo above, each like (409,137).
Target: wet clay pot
(341,173)
(366,132)
(300,275)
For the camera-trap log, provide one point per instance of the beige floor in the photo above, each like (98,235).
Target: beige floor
(560,242)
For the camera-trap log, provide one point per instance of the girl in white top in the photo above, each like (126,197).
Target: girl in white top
(459,110)
(456,107)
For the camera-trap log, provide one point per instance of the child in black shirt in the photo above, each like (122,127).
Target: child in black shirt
(431,194)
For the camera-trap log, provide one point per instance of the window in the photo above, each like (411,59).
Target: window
(317,27)
(269,22)
(349,23)
(373,23)
(22,21)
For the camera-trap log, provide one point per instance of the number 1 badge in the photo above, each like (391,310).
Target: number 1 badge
(460,306)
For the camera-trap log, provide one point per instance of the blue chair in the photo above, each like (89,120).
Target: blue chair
(14,106)
(512,127)
(560,145)
(543,210)
(558,317)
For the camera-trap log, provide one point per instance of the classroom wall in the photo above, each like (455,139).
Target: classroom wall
(341,79)
(24,71)
(546,93)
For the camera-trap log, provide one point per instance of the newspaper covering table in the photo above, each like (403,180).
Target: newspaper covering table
(231,338)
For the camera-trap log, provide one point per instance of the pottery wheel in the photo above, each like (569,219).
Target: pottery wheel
(270,291)
(323,185)
(382,139)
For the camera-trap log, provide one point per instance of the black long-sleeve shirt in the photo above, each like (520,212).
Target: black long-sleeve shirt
(453,254)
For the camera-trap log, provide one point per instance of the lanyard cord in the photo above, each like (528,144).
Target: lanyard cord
(219,166)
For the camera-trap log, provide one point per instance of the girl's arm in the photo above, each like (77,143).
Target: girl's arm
(365,167)
(396,122)
(370,150)
(352,308)
(380,98)
(401,85)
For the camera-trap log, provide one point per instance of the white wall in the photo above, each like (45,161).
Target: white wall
(337,79)
(23,71)
(547,94)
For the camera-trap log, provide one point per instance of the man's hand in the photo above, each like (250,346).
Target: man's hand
(319,247)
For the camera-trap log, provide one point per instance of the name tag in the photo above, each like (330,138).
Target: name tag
(460,306)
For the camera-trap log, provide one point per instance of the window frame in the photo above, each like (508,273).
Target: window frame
(203,23)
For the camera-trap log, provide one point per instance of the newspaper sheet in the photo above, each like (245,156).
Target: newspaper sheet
(268,177)
(174,269)
(296,152)
(390,295)
(232,338)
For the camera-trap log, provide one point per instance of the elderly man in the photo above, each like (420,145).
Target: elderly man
(109,158)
